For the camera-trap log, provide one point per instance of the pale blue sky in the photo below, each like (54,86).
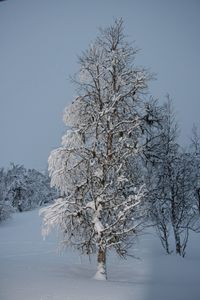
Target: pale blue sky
(39,44)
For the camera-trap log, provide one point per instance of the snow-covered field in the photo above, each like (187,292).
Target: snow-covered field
(32,269)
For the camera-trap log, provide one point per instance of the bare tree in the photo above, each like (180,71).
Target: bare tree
(98,167)
(195,152)
(163,149)
(171,177)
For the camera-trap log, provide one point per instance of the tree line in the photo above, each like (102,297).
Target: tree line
(23,189)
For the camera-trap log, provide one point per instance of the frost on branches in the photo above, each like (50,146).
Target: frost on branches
(5,206)
(172,180)
(97,169)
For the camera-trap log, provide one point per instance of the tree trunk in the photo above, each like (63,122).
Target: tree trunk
(175,228)
(198,199)
(166,243)
(167,247)
(178,242)
(101,265)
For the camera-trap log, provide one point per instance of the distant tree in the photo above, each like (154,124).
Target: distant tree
(163,148)
(16,189)
(97,169)
(195,152)
(40,192)
(183,215)
(5,207)
(26,189)
(171,177)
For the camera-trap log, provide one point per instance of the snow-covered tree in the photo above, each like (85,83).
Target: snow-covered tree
(40,192)
(16,188)
(97,169)
(5,206)
(171,185)
(26,189)
(159,172)
(195,152)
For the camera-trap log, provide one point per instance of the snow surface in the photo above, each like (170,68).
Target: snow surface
(32,269)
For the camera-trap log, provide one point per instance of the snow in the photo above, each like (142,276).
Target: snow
(98,173)
(101,272)
(32,269)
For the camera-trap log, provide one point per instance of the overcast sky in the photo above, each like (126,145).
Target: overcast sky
(39,44)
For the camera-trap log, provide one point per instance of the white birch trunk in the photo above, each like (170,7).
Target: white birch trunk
(101,265)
